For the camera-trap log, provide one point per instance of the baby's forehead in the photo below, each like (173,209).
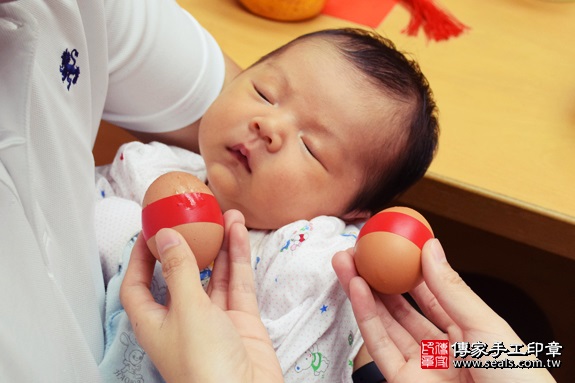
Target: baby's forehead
(304,54)
(312,46)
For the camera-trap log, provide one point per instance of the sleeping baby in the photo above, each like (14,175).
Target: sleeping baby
(314,137)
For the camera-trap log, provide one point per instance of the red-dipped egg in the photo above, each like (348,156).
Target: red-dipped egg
(181,201)
(388,250)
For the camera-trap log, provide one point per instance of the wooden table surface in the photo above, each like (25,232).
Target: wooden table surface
(506,94)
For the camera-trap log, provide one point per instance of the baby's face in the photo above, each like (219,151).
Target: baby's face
(286,139)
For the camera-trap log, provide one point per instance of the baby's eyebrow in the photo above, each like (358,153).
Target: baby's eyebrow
(280,77)
(321,128)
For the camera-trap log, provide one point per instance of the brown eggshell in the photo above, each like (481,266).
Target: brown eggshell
(204,238)
(390,263)
(172,183)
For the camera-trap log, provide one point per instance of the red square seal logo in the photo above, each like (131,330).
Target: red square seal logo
(435,354)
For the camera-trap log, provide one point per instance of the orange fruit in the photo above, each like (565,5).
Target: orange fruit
(284,10)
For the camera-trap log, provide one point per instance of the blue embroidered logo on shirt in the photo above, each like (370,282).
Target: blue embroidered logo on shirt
(70,72)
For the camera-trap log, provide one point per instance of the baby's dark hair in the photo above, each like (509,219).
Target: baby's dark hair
(401,161)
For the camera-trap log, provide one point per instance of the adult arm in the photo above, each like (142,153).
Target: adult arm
(186,137)
(165,70)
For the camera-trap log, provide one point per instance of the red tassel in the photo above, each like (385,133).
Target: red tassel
(437,23)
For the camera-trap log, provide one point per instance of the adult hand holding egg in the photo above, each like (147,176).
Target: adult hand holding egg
(213,336)
(393,329)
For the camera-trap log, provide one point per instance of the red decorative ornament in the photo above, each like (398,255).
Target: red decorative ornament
(437,23)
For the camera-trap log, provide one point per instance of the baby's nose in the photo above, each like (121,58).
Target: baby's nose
(272,132)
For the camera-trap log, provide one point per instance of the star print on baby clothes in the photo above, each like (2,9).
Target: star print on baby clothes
(68,68)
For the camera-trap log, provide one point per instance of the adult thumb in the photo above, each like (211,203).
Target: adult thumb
(179,266)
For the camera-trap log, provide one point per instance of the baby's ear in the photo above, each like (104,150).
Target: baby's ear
(355,216)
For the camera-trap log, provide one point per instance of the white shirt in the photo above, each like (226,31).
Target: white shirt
(143,64)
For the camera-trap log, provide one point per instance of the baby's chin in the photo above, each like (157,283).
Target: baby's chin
(257,223)
(269,222)
(252,219)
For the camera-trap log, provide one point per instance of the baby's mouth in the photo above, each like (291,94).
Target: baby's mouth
(241,153)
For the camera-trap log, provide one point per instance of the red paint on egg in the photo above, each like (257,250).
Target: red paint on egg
(388,250)
(183,202)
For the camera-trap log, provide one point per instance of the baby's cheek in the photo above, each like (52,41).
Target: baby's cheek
(266,210)
(224,186)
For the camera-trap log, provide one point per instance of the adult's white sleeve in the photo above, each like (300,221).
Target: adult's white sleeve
(165,68)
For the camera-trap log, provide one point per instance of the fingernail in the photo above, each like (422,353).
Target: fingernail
(166,238)
(437,251)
